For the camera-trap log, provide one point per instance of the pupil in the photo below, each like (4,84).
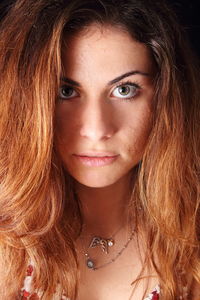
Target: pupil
(67,91)
(124,90)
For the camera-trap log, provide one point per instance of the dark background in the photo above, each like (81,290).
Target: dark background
(188,13)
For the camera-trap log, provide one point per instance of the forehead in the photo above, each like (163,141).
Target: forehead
(107,50)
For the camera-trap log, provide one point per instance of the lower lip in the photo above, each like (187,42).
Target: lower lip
(94,161)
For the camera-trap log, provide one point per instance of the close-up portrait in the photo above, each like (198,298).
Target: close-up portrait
(99,150)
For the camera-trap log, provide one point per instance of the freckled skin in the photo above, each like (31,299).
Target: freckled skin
(96,118)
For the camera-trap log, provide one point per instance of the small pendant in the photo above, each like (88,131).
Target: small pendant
(110,243)
(90,263)
(103,243)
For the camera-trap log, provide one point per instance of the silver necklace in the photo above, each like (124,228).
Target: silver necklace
(90,263)
(104,243)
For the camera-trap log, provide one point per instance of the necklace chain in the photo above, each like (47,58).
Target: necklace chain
(103,243)
(91,264)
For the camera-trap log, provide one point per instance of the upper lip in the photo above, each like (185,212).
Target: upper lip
(96,154)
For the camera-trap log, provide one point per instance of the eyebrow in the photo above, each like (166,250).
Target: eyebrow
(135,72)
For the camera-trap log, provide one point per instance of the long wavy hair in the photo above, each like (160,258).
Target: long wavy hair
(39,214)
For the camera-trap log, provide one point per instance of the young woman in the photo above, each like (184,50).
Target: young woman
(99,160)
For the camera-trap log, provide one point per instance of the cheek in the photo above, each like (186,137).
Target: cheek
(133,123)
(137,133)
(65,126)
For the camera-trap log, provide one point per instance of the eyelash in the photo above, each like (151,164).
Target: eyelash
(134,84)
(120,84)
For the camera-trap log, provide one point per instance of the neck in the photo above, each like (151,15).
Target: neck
(104,209)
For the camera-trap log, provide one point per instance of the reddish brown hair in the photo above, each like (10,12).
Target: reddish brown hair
(36,197)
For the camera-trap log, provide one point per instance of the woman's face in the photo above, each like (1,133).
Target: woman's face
(103,115)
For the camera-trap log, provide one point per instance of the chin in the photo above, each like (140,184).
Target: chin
(99,177)
(96,182)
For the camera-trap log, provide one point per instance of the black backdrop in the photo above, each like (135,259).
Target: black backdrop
(188,14)
(187,11)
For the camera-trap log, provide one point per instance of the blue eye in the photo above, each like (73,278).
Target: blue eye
(126,91)
(67,92)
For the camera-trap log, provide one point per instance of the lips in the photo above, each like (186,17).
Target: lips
(96,159)
(96,154)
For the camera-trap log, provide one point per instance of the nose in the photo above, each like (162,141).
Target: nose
(97,121)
